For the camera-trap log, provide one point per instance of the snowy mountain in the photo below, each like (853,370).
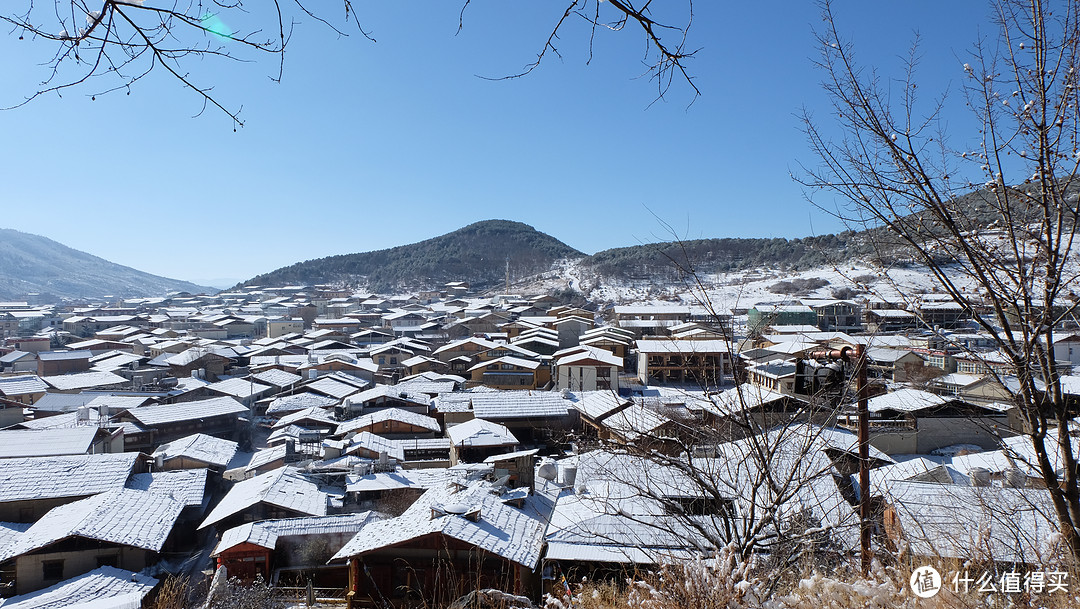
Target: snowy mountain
(34,264)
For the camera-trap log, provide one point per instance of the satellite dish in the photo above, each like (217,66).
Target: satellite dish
(548,470)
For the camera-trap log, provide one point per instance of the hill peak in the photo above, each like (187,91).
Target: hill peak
(477,253)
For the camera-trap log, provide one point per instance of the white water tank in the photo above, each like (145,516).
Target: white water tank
(1015,478)
(567,475)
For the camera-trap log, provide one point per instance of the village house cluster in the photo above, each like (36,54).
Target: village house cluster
(397,449)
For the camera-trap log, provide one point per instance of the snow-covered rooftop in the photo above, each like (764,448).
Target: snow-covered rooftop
(520,404)
(299,401)
(906,400)
(186,411)
(20,385)
(389,414)
(474,515)
(317,414)
(377,444)
(102,588)
(199,447)
(125,517)
(47,442)
(188,486)
(23,479)
(277,378)
(478,432)
(265,533)
(84,380)
(337,387)
(283,487)
(239,388)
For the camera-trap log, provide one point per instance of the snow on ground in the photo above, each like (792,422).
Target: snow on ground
(742,289)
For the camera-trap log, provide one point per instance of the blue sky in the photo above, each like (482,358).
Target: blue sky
(368,145)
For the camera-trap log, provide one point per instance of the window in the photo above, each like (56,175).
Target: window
(393,360)
(382,360)
(52,570)
(109,560)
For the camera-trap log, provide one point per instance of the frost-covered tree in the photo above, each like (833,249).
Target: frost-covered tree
(992,213)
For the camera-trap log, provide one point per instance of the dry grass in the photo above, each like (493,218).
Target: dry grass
(721,584)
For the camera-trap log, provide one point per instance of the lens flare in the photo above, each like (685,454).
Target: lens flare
(211,23)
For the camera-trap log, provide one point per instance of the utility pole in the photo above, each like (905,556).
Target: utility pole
(862,391)
(508,274)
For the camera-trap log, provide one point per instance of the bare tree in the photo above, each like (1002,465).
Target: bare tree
(752,473)
(111,45)
(994,222)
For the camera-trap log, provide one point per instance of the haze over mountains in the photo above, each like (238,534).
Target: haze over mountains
(34,264)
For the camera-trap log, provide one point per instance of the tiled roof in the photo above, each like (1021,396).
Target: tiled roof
(104,587)
(598,404)
(516,534)
(683,346)
(402,478)
(393,391)
(512,361)
(520,404)
(590,354)
(125,517)
(278,378)
(265,533)
(315,413)
(420,384)
(188,486)
(200,447)
(240,388)
(283,487)
(84,380)
(951,521)
(185,411)
(46,442)
(56,356)
(335,387)
(299,401)
(60,402)
(20,385)
(377,444)
(478,432)
(266,456)
(9,532)
(28,478)
(389,414)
